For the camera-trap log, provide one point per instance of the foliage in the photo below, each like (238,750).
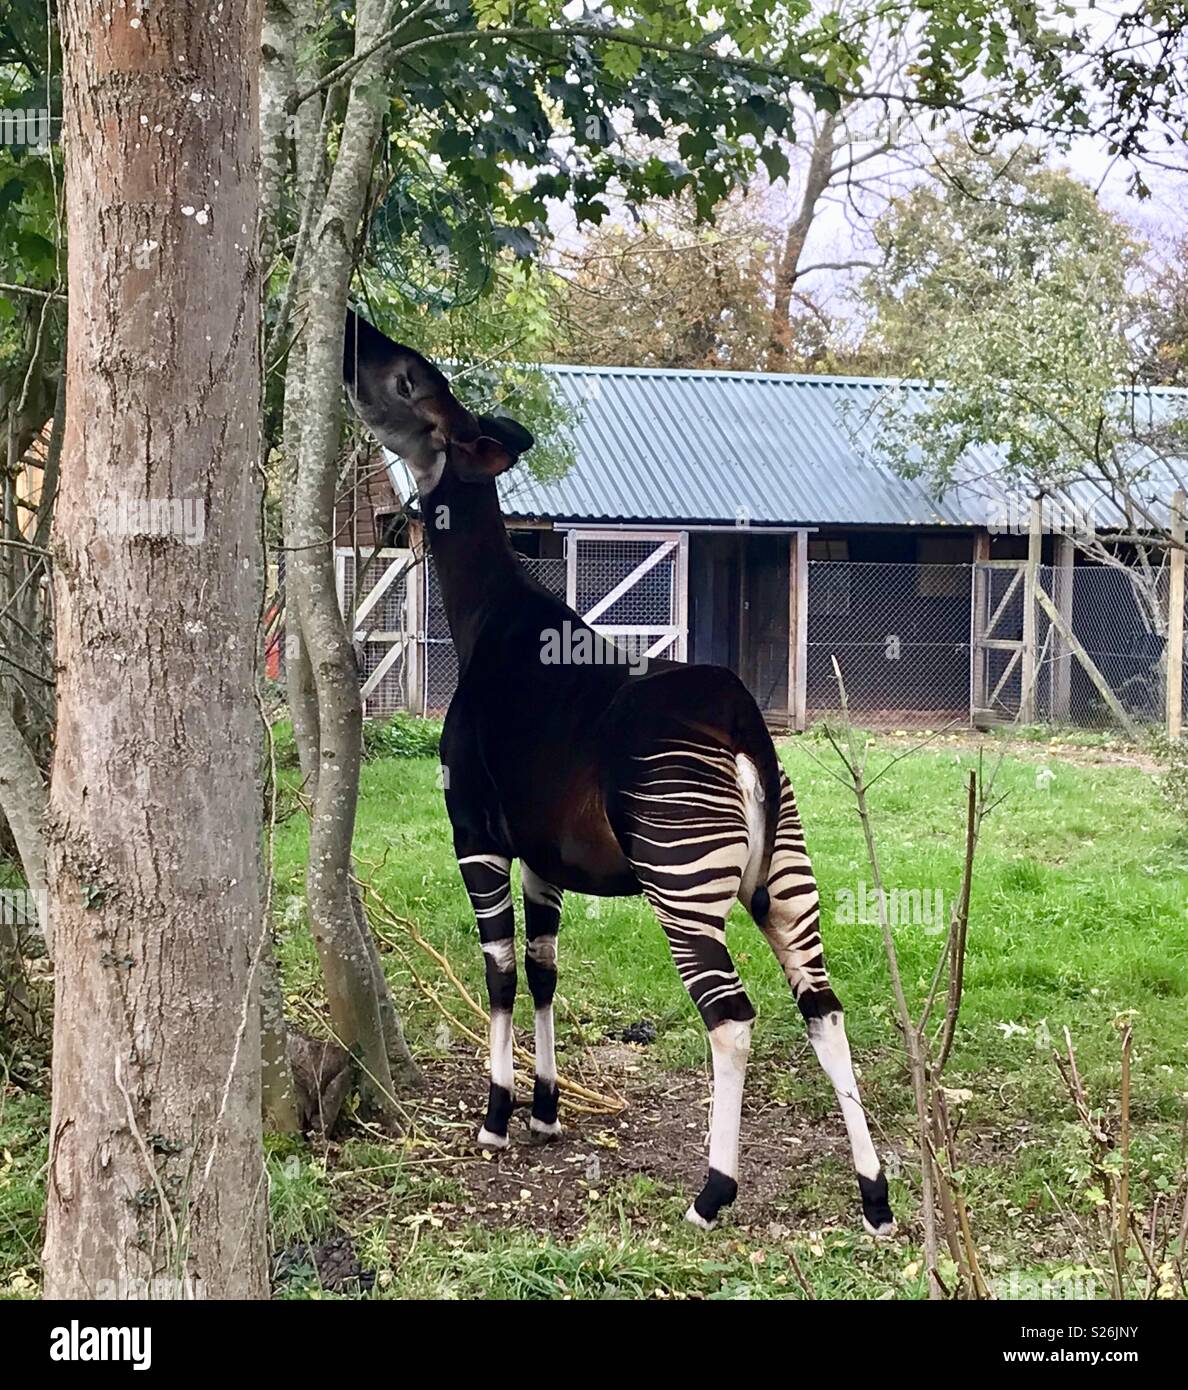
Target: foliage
(988,231)
(668,292)
(30,179)
(24,1125)
(1008,284)
(401,736)
(1172,755)
(489,347)
(1163,319)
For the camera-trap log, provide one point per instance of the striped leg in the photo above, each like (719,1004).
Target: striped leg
(488,882)
(542,917)
(686,836)
(793,931)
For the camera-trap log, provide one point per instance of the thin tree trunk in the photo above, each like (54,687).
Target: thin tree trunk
(358,997)
(820,170)
(301,690)
(278,1094)
(23,802)
(156,1167)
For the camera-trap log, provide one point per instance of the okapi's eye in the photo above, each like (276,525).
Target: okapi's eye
(403,386)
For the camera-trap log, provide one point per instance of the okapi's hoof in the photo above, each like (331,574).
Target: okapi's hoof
(542,1131)
(876,1209)
(719,1191)
(695,1218)
(487,1140)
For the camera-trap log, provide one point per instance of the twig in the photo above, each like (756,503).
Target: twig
(598,1102)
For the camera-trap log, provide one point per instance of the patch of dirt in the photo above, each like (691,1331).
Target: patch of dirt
(662,1135)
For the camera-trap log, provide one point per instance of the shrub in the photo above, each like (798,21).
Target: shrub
(401,736)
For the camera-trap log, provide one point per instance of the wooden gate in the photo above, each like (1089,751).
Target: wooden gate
(632,586)
(999,639)
(383,621)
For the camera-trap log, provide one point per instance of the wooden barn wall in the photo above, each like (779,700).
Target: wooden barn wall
(367,500)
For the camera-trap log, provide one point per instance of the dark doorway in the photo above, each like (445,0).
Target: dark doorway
(739,608)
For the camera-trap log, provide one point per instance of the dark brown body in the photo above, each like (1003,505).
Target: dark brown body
(537,755)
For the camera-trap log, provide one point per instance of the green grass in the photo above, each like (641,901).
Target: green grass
(1079,915)
(24,1121)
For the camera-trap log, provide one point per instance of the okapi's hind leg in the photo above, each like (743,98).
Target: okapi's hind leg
(542,917)
(792,926)
(685,832)
(488,882)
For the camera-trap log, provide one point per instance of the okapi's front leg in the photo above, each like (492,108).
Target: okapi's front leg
(488,882)
(542,917)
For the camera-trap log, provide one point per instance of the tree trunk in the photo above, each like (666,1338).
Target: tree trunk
(820,171)
(365,1021)
(156,1168)
(279,1098)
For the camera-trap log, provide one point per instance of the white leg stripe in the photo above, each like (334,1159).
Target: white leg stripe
(730,1043)
(828,1037)
(546,1050)
(492,861)
(503,953)
(501,1049)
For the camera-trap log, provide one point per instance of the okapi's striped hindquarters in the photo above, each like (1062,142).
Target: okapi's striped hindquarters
(692,824)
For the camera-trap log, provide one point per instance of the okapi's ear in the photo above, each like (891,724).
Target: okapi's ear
(500,443)
(400,395)
(510,433)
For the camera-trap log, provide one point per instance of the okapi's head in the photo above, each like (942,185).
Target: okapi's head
(408,405)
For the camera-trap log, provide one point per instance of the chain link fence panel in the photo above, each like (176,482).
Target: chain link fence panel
(1117,620)
(918,645)
(901,637)
(441,660)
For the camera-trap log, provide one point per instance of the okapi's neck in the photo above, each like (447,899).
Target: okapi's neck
(471,552)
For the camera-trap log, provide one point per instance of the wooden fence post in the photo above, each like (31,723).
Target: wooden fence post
(1030,582)
(1062,593)
(1175,622)
(417,651)
(798,631)
(977,618)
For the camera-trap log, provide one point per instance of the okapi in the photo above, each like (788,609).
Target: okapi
(600,778)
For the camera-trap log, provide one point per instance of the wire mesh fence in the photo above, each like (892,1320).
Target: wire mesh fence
(918,645)
(932,644)
(901,637)
(441,660)
(605,566)
(1114,654)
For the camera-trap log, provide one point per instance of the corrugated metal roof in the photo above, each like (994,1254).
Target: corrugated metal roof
(664,445)
(660,445)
